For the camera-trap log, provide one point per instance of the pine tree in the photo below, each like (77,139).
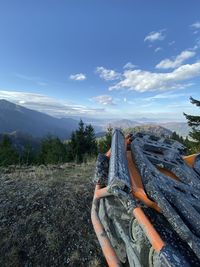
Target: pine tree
(194,122)
(82,144)
(105,143)
(28,155)
(71,148)
(109,136)
(91,144)
(8,154)
(53,151)
(177,137)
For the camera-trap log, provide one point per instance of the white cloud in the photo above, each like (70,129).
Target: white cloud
(196,25)
(157,49)
(155,36)
(142,81)
(78,77)
(168,63)
(129,65)
(103,99)
(107,74)
(47,104)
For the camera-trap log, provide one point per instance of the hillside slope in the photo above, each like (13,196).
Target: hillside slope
(17,118)
(180,128)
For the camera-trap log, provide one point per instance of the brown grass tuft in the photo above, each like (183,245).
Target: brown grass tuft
(45,216)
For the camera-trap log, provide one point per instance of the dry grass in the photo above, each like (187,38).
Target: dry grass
(45,217)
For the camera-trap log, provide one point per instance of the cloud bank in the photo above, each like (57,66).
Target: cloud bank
(47,104)
(142,81)
(168,63)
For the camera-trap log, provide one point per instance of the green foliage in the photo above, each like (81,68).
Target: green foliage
(28,155)
(8,154)
(194,122)
(104,143)
(81,147)
(192,147)
(83,143)
(52,151)
(90,140)
(177,137)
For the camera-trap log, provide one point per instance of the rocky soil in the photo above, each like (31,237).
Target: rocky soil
(45,217)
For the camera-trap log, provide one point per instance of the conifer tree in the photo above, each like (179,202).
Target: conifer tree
(53,151)
(177,137)
(105,143)
(194,122)
(82,143)
(109,136)
(28,155)
(91,145)
(8,154)
(71,148)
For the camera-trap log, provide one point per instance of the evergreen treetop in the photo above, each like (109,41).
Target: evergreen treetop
(194,122)
(83,142)
(8,154)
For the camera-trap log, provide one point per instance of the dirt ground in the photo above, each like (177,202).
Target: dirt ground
(45,217)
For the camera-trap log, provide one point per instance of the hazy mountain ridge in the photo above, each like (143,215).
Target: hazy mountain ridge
(180,128)
(17,118)
(150,129)
(124,123)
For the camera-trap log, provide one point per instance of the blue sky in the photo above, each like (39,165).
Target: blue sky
(101,59)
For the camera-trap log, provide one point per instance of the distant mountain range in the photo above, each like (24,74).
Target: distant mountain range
(17,119)
(180,128)
(124,124)
(150,129)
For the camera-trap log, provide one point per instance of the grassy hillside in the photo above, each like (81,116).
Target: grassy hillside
(45,217)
